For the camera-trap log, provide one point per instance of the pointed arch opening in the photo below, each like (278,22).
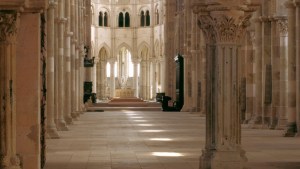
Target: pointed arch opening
(121,19)
(127,19)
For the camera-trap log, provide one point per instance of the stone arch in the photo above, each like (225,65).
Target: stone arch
(107,48)
(143,51)
(123,10)
(101,72)
(103,54)
(143,8)
(124,44)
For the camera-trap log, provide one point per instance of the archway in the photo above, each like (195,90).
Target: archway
(124,70)
(101,74)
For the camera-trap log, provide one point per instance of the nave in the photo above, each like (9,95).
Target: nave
(122,139)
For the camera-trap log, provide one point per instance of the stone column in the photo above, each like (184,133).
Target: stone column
(291,88)
(73,63)
(8,27)
(101,76)
(297,2)
(223,124)
(275,46)
(143,76)
(283,33)
(61,123)
(266,70)
(94,75)
(154,81)
(112,62)
(77,63)
(187,84)
(51,128)
(162,74)
(28,91)
(67,59)
(257,115)
(136,78)
(250,81)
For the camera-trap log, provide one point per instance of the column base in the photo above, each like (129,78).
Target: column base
(61,126)
(255,122)
(274,123)
(69,120)
(282,123)
(74,116)
(52,133)
(219,159)
(291,130)
(10,162)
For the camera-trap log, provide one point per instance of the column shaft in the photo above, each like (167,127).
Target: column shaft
(61,123)
(291,90)
(112,79)
(8,157)
(282,26)
(67,60)
(51,128)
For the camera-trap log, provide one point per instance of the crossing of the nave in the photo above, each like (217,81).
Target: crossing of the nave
(83,84)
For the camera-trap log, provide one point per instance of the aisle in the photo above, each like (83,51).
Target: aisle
(157,140)
(129,140)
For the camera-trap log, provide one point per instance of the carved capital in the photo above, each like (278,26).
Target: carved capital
(283,26)
(4,161)
(223,28)
(8,24)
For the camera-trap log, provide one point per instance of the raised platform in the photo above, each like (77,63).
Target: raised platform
(130,103)
(126,99)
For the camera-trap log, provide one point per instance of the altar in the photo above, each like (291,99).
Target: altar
(124,93)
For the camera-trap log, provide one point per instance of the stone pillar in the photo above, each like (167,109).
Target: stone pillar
(8,27)
(257,115)
(223,124)
(28,91)
(297,2)
(283,33)
(61,123)
(162,75)
(250,81)
(67,60)
(154,81)
(275,58)
(94,76)
(143,76)
(101,76)
(51,128)
(187,84)
(112,62)
(73,63)
(77,82)
(136,78)
(291,88)
(266,71)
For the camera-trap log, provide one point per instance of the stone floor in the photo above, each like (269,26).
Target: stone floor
(157,140)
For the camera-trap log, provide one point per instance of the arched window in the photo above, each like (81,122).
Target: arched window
(157,17)
(105,19)
(147,18)
(100,19)
(142,18)
(121,19)
(127,20)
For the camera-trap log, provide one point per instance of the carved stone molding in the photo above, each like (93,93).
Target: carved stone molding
(223,28)
(8,25)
